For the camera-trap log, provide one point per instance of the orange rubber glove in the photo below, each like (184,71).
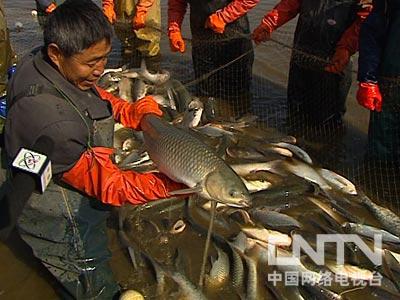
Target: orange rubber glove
(108,10)
(348,43)
(369,96)
(51,8)
(130,114)
(215,23)
(176,13)
(142,7)
(282,13)
(230,13)
(176,42)
(97,176)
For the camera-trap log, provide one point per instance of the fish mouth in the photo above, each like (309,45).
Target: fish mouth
(239,204)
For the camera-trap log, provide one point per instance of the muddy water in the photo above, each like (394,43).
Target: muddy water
(21,277)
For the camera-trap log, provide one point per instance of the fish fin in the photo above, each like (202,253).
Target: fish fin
(143,67)
(196,189)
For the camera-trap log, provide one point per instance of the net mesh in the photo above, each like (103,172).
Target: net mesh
(339,138)
(338,145)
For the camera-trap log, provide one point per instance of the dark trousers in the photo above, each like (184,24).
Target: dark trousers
(315,97)
(231,84)
(384,127)
(67,232)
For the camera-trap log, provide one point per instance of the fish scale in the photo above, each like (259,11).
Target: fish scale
(165,148)
(186,159)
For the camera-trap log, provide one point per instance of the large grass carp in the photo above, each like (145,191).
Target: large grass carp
(186,159)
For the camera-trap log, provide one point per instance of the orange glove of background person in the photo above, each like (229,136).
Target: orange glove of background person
(51,8)
(215,23)
(339,61)
(369,96)
(142,7)
(108,10)
(130,114)
(176,13)
(230,13)
(283,12)
(348,43)
(97,176)
(261,34)
(176,41)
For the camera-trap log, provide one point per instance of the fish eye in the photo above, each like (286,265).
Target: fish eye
(233,193)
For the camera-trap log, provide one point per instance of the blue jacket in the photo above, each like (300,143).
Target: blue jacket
(372,41)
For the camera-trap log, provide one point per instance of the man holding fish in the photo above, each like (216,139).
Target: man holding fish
(53,93)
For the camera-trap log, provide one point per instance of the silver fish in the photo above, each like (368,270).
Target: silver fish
(192,116)
(140,89)
(180,94)
(273,219)
(300,153)
(158,78)
(185,159)
(370,231)
(252,277)
(237,269)
(161,100)
(187,288)
(116,70)
(219,273)
(320,292)
(389,220)
(125,88)
(107,80)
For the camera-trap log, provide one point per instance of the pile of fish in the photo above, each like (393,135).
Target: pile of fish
(270,194)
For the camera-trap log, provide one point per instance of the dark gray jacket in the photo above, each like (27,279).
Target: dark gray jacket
(36,107)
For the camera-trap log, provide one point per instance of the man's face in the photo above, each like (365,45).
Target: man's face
(84,69)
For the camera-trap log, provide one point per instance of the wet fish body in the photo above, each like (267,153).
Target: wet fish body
(219,273)
(125,89)
(273,219)
(193,113)
(188,160)
(140,89)
(370,231)
(350,271)
(389,220)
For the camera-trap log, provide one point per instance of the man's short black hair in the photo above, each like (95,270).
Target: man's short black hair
(75,26)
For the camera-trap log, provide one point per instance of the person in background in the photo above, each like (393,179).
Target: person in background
(44,8)
(7,58)
(138,26)
(53,93)
(325,38)
(378,76)
(220,39)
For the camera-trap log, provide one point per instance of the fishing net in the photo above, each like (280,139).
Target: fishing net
(155,229)
(329,124)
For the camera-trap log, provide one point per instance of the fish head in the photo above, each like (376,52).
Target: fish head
(164,77)
(227,188)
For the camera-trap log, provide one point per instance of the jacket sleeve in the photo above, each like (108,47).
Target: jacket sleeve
(130,114)
(95,175)
(176,13)
(236,9)
(372,37)
(350,38)
(282,13)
